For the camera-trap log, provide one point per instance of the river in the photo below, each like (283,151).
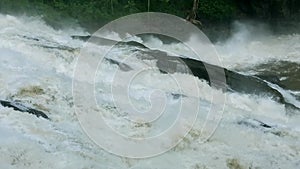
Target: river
(37,64)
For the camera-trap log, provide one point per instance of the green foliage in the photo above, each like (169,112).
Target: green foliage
(95,13)
(217,9)
(131,7)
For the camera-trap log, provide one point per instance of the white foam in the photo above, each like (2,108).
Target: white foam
(29,142)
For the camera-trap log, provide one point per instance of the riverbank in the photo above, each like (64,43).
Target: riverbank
(217,16)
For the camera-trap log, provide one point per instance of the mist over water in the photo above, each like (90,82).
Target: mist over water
(252,45)
(34,55)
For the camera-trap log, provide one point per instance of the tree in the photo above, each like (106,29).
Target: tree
(192,17)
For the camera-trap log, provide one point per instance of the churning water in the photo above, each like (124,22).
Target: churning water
(37,65)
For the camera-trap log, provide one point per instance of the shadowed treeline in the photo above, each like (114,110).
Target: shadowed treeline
(92,14)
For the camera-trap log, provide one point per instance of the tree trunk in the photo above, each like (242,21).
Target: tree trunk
(112,6)
(192,17)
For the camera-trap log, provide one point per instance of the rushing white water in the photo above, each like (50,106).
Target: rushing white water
(249,45)
(36,67)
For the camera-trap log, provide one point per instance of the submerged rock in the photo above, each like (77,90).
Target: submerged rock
(234,81)
(264,127)
(122,66)
(253,123)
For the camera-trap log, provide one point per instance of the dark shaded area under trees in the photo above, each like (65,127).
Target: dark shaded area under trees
(92,14)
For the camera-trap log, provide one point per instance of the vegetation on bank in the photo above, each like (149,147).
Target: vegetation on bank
(94,13)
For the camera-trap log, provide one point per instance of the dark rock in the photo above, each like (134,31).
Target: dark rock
(83,38)
(253,123)
(31,38)
(58,46)
(177,96)
(122,66)
(22,108)
(266,128)
(234,81)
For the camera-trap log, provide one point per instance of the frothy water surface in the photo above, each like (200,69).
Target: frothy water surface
(255,130)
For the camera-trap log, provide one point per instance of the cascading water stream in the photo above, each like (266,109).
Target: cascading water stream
(36,69)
